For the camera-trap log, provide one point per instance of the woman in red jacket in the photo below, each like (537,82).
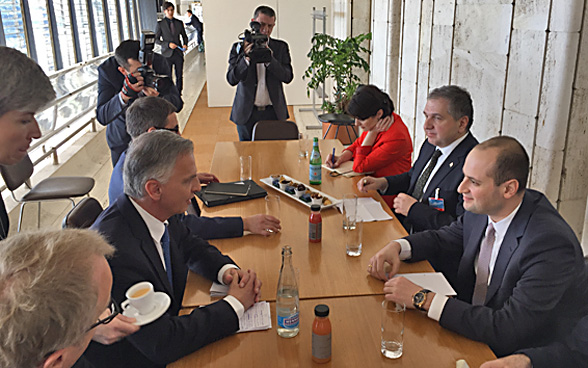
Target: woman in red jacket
(385,147)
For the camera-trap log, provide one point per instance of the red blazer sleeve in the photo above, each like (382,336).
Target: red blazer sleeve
(388,147)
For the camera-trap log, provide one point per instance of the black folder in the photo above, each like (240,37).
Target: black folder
(233,193)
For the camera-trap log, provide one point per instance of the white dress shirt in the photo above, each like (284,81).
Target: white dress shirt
(157,228)
(500,227)
(262,97)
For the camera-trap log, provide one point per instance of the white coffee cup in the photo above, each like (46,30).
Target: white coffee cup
(141,297)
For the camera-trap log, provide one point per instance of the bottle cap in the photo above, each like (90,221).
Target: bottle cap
(321,310)
(315,207)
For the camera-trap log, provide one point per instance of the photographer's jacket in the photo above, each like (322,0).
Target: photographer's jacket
(109,108)
(244,76)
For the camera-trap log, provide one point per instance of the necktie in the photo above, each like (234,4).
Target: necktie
(166,255)
(172,27)
(484,266)
(422,180)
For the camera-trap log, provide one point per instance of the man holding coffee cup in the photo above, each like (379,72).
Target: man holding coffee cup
(153,245)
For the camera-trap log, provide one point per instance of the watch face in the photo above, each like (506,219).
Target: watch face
(418,297)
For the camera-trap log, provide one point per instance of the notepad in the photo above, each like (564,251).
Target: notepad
(240,189)
(256,318)
(346,170)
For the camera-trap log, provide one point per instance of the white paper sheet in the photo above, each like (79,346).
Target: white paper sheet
(369,210)
(434,281)
(256,318)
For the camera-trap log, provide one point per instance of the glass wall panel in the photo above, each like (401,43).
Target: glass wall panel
(42,35)
(124,20)
(13,25)
(133,35)
(81,10)
(64,32)
(113,23)
(100,26)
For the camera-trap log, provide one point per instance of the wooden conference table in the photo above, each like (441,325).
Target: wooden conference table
(326,275)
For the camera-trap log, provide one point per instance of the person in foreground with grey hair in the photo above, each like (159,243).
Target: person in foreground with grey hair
(18,104)
(53,287)
(148,114)
(152,245)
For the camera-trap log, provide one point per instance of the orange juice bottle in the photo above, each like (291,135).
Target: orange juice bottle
(321,335)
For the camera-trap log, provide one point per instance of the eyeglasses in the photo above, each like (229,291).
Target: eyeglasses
(175,129)
(114,311)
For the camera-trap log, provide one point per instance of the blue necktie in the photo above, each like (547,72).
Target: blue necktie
(166,255)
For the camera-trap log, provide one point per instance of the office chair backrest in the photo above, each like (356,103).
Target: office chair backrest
(271,130)
(16,175)
(83,215)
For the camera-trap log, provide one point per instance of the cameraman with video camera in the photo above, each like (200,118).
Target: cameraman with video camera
(258,66)
(121,81)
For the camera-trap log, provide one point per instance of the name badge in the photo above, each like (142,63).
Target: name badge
(436,202)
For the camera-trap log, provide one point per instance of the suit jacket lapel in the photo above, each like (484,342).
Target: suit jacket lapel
(142,234)
(509,244)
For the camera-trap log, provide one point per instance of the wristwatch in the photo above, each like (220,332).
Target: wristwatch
(419,298)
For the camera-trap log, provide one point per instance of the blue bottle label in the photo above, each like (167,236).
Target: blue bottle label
(288,321)
(315,173)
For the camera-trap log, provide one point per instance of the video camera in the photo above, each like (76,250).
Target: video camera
(259,53)
(150,79)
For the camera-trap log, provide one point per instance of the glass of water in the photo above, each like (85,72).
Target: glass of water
(349,211)
(353,239)
(302,146)
(272,207)
(392,329)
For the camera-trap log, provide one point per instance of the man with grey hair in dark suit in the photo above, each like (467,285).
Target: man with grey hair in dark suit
(260,95)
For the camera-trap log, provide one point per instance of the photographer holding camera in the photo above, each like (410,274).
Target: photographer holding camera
(120,82)
(258,66)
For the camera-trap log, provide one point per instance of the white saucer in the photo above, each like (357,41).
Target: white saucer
(162,302)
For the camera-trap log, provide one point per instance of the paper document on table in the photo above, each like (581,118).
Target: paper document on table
(461,364)
(346,170)
(434,281)
(369,210)
(219,289)
(256,318)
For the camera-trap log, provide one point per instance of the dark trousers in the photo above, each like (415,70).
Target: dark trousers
(246,131)
(176,61)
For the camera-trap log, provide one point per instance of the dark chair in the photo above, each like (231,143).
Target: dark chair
(56,188)
(273,130)
(339,120)
(83,215)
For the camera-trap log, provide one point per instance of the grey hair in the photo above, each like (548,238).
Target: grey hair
(152,156)
(24,87)
(48,294)
(460,102)
(147,112)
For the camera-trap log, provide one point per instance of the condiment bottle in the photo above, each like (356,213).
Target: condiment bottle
(321,335)
(315,224)
(314,176)
(287,303)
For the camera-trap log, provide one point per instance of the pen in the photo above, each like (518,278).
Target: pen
(333,157)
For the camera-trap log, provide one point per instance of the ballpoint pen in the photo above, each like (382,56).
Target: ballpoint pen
(333,156)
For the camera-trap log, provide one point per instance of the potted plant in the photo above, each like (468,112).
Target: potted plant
(338,60)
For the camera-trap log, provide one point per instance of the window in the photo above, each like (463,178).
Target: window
(133,34)
(13,25)
(112,14)
(100,28)
(42,35)
(124,20)
(81,11)
(64,32)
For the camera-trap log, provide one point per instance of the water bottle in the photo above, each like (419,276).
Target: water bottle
(315,164)
(287,303)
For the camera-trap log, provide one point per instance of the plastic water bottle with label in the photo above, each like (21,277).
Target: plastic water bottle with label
(287,303)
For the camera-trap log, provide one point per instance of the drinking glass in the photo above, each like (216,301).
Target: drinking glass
(353,239)
(245,168)
(349,211)
(272,207)
(392,329)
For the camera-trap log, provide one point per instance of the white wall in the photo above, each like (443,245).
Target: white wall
(225,20)
(525,64)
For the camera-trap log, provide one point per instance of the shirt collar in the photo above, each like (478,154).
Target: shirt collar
(156,227)
(446,151)
(502,226)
